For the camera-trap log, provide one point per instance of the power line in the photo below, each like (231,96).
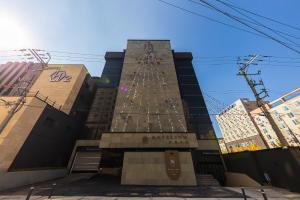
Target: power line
(71,56)
(254,21)
(76,53)
(267,18)
(8,104)
(209,18)
(259,32)
(247,25)
(273,61)
(195,56)
(80,60)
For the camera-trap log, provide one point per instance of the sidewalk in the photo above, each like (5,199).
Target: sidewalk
(252,193)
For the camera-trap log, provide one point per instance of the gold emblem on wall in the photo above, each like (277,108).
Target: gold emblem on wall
(172,164)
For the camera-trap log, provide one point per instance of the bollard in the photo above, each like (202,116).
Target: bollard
(52,190)
(264,194)
(244,194)
(29,193)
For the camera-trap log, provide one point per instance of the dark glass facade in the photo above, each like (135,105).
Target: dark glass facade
(101,112)
(112,70)
(197,116)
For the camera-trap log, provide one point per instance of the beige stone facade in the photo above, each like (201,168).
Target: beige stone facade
(149,114)
(149,168)
(148,99)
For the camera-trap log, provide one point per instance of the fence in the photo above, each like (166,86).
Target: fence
(279,167)
(45,99)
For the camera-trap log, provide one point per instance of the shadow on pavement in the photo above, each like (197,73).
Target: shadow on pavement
(104,185)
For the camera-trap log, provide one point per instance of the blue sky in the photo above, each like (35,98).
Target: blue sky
(97,26)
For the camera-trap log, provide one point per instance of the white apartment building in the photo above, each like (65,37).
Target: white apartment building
(238,127)
(222,145)
(286,113)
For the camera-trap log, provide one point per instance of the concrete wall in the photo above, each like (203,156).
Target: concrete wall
(49,143)
(16,179)
(239,180)
(149,168)
(281,165)
(18,129)
(61,92)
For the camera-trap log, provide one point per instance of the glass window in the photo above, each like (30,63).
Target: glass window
(275,112)
(279,119)
(184,72)
(285,108)
(282,126)
(290,114)
(295,121)
(265,130)
(188,80)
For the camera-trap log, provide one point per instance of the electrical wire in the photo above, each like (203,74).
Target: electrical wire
(267,18)
(208,18)
(254,21)
(235,18)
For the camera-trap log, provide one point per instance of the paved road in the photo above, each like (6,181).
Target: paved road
(131,198)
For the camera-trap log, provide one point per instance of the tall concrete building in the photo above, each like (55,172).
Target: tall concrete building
(156,128)
(239,130)
(285,111)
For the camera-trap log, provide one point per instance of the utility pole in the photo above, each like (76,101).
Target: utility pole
(41,57)
(259,96)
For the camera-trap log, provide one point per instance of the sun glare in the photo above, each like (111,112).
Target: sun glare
(12,34)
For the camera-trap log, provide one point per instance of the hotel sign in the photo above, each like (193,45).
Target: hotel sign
(60,75)
(148,140)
